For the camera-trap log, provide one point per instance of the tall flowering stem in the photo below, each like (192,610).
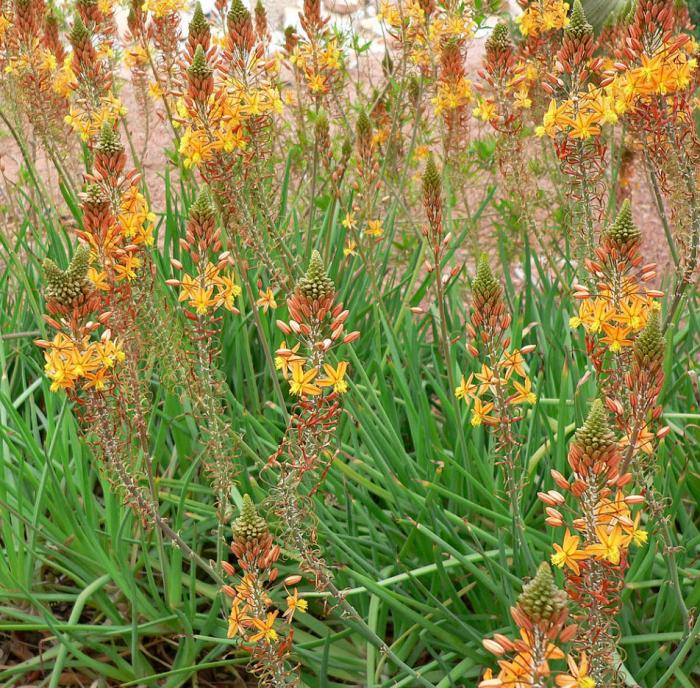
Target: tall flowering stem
(305,454)
(253,618)
(32,59)
(88,82)
(617,305)
(657,67)
(574,119)
(207,287)
(625,343)
(317,321)
(365,231)
(502,385)
(438,241)
(595,558)
(225,115)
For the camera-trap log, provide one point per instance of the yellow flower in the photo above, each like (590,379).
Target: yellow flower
(294,604)
(466,388)
(609,544)
(349,221)
(349,248)
(636,535)
(578,678)
(524,395)
(374,228)
(126,270)
(98,279)
(616,337)
(480,413)
(335,377)
(584,126)
(513,362)
(236,619)
(265,630)
(285,357)
(633,313)
(317,83)
(201,299)
(487,378)
(194,147)
(267,300)
(485,110)
(568,554)
(301,382)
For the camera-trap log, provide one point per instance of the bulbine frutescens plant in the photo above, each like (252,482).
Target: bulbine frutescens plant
(270,153)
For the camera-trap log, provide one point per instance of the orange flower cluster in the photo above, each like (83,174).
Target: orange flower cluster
(30,59)
(87,79)
(76,361)
(250,618)
(541,615)
(620,305)
(423,27)
(595,559)
(319,324)
(229,92)
(543,15)
(117,224)
(317,56)
(210,284)
(500,367)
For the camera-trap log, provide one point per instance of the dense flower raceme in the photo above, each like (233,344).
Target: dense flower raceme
(75,359)
(306,451)
(254,618)
(536,657)
(319,324)
(228,91)
(598,533)
(618,306)
(502,382)
(117,227)
(210,283)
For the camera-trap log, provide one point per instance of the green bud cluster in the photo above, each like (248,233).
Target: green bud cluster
(486,288)
(316,284)
(578,24)
(649,345)
(541,599)
(623,231)
(65,286)
(109,143)
(499,40)
(595,434)
(249,526)
(200,68)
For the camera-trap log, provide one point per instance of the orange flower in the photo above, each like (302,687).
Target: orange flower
(525,394)
(616,337)
(466,388)
(335,377)
(578,678)
(267,300)
(265,628)
(236,619)
(294,604)
(480,413)
(609,545)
